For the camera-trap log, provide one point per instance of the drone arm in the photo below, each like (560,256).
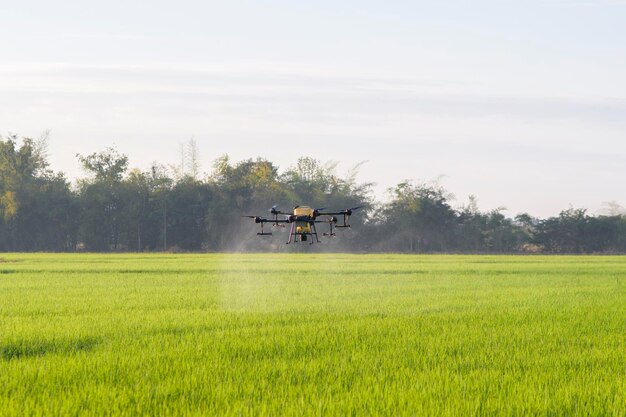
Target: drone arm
(335,213)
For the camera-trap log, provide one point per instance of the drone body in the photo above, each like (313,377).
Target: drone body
(303,221)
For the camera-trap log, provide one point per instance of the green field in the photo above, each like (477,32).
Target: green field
(311,335)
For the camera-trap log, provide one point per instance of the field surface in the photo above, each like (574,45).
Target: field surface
(312,335)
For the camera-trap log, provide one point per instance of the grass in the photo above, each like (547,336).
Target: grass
(310,335)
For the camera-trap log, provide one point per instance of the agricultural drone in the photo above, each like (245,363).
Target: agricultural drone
(303,221)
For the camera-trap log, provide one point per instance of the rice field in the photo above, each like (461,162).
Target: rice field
(312,335)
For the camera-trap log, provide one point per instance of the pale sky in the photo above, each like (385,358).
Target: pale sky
(521,103)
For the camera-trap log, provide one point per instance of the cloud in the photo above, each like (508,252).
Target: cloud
(293,89)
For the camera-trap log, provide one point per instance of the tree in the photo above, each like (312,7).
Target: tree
(566,233)
(102,200)
(174,209)
(37,208)
(107,166)
(419,215)
(188,216)
(136,192)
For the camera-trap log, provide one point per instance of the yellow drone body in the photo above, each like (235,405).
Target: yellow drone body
(300,212)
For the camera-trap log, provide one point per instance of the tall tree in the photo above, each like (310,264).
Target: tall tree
(420,215)
(37,207)
(102,200)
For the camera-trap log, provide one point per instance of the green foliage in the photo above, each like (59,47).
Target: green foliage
(574,231)
(309,335)
(37,208)
(421,215)
(247,183)
(107,166)
(103,201)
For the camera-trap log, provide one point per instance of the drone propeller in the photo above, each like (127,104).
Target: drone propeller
(316,212)
(349,211)
(346,212)
(257,219)
(274,210)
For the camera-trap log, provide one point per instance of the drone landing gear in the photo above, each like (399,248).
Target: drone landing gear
(345,222)
(331,233)
(303,237)
(262,233)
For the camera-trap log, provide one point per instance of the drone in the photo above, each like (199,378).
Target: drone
(303,221)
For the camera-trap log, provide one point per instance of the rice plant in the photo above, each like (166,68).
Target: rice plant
(311,335)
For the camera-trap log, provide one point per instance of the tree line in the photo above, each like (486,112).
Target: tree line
(115,208)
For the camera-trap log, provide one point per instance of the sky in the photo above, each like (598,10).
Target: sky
(522,104)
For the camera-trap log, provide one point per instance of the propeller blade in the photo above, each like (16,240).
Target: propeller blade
(349,211)
(257,219)
(317,211)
